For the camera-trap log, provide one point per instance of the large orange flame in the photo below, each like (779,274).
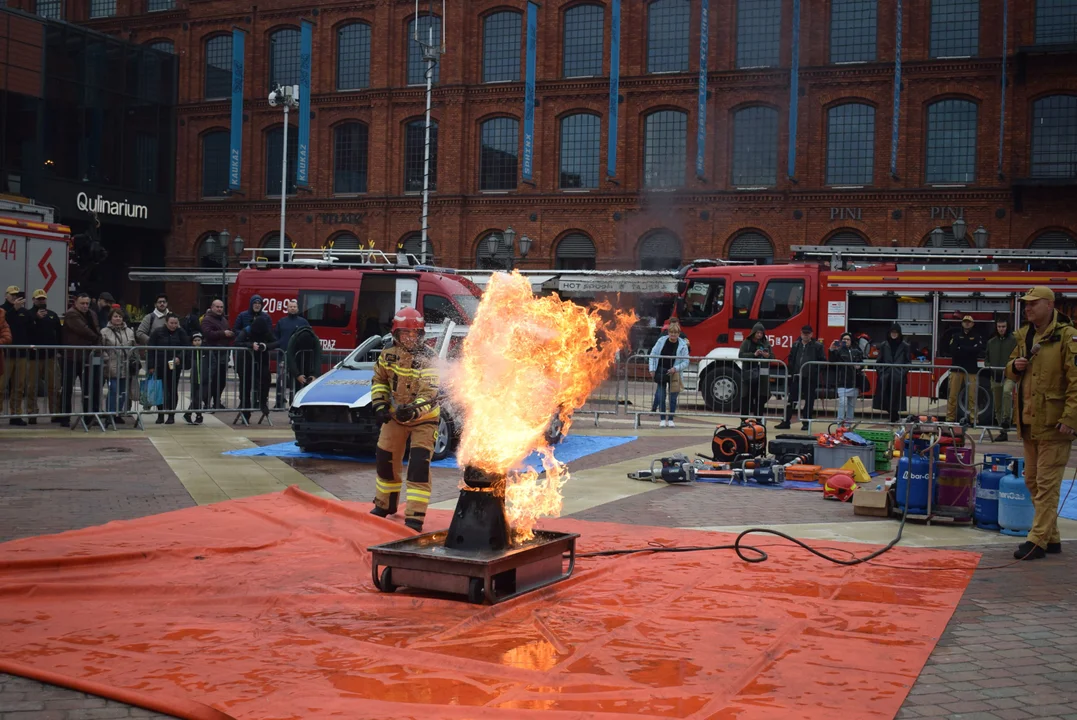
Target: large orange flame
(525,360)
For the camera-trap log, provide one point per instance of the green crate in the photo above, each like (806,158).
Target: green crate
(876,436)
(883,465)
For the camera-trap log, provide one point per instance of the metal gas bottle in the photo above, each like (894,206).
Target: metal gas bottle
(995,467)
(913,481)
(1015,510)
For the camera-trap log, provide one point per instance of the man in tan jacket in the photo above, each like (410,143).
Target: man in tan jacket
(1043,366)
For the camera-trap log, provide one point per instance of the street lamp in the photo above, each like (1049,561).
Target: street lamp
(496,242)
(980,237)
(217,247)
(288,97)
(958,229)
(936,237)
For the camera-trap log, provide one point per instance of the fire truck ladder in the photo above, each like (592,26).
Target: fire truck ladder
(838,256)
(336,257)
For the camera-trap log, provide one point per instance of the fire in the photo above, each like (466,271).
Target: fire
(525,360)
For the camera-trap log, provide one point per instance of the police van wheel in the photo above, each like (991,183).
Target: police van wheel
(446,434)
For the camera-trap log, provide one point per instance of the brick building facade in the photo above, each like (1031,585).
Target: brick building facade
(951,51)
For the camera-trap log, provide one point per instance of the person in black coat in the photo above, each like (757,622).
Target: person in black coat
(803,377)
(168,345)
(890,388)
(258,342)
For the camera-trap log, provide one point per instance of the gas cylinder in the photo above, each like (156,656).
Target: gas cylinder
(957,482)
(1015,510)
(994,469)
(913,477)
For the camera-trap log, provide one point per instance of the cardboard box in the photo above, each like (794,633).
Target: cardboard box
(869,501)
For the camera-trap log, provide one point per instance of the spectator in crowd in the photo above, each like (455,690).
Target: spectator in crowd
(192,323)
(46,332)
(286,326)
(216,334)
(755,376)
(999,349)
(153,320)
(669,358)
(304,356)
(199,365)
(844,352)
(258,342)
(167,349)
(245,318)
(5,339)
(121,366)
(965,346)
(803,377)
(105,301)
(890,393)
(13,381)
(80,330)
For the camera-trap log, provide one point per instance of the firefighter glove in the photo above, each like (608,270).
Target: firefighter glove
(381,414)
(406,414)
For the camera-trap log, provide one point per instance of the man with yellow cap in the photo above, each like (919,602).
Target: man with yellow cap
(1043,366)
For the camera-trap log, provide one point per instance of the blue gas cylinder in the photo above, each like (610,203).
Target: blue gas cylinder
(1015,510)
(913,486)
(995,467)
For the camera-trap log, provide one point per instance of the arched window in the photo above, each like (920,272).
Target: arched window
(853,26)
(164,46)
(345,241)
(580,138)
(416,65)
(269,248)
(207,258)
(955,28)
(499,154)
(284,57)
(759,33)
(850,145)
(501,47)
(414,149)
(659,250)
(753,246)
(665,149)
(847,238)
(755,147)
(218,68)
(499,260)
(215,163)
(353,56)
(948,239)
(667,35)
(1053,240)
(583,41)
(413,245)
(350,158)
(951,141)
(576,251)
(274,146)
(1056,22)
(1054,137)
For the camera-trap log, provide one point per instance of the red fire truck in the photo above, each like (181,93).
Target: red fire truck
(862,291)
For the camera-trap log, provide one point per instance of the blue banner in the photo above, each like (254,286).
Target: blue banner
(615,81)
(794,93)
(303,144)
(529,90)
(701,121)
(235,151)
(894,127)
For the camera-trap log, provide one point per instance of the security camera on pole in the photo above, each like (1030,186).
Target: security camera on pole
(432,53)
(287,97)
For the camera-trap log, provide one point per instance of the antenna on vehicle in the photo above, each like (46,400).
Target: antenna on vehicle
(431,53)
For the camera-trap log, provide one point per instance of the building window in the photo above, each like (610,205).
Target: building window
(576,251)
(284,57)
(752,246)
(102,8)
(499,155)
(147,152)
(270,250)
(159,5)
(1054,137)
(350,158)
(164,46)
(501,47)
(951,141)
(852,30)
(955,28)
(414,142)
(580,137)
(847,238)
(1053,240)
(1056,22)
(850,145)
(759,33)
(218,67)
(416,64)
(665,149)
(52,9)
(215,148)
(660,250)
(346,241)
(755,147)
(583,41)
(667,35)
(353,57)
(274,145)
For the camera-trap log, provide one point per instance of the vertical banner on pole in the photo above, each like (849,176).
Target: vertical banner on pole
(235,151)
(794,93)
(896,122)
(303,144)
(529,91)
(615,81)
(701,111)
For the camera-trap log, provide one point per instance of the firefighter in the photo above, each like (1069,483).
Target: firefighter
(1044,367)
(965,346)
(405,402)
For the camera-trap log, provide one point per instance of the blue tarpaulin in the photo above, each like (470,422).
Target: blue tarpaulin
(571,448)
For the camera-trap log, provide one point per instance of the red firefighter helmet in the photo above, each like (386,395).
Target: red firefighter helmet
(839,487)
(409,319)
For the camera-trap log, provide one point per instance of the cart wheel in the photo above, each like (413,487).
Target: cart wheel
(476,593)
(386,581)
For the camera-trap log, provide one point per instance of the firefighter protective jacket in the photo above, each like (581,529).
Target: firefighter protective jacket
(1046,391)
(404,378)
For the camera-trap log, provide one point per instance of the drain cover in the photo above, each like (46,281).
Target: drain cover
(114,450)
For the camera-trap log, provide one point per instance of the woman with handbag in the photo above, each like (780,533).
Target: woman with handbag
(669,358)
(121,366)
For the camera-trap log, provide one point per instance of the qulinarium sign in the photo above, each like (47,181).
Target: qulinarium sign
(101,206)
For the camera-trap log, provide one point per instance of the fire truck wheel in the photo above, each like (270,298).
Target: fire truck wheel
(386,581)
(476,593)
(720,387)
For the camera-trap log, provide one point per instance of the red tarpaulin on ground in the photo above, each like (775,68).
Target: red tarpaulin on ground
(264,608)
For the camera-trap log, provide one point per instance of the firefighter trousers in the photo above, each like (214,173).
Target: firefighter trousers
(390,460)
(958,381)
(1045,463)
